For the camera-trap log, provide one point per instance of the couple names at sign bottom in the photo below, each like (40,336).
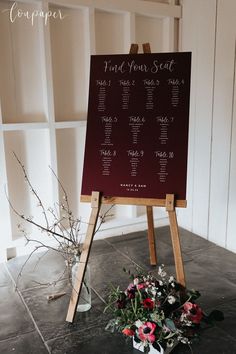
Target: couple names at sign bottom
(137,130)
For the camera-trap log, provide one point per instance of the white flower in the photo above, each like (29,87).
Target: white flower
(170,342)
(171,279)
(138,323)
(185,320)
(136,281)
(161,272)
(184,340)
(171,299)
(160,282)
(153,291)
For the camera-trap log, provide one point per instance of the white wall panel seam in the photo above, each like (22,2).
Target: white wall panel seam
(212,119)
(222,122)
(230,153)
(15,105)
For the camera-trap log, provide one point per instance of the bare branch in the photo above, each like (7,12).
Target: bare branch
(68,238)
(67,208)
(26,261)
(32,189)
(103,217)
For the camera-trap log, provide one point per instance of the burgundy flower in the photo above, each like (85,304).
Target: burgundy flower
(193,311)
(148,303)
(131,291)
(146,332)
(120,304)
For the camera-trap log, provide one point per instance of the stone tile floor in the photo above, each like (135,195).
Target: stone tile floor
(29,324)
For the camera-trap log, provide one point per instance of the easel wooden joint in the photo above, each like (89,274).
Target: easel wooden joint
(96,201)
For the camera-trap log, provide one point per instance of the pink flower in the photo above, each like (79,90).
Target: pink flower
(141,286)
(148,303)
(131,291)
(193,311)
(128,332)
(146,332)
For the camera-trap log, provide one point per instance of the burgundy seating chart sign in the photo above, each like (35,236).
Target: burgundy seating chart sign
(137,129)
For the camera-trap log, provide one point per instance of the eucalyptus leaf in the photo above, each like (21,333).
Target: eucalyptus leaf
(170,324)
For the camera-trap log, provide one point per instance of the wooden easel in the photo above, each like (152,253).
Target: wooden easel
(96,201)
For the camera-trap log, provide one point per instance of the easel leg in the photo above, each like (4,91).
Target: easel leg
(149,209)
(95,204)
(175,239)
(151,236)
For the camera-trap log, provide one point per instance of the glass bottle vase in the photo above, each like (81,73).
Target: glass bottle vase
(84,303)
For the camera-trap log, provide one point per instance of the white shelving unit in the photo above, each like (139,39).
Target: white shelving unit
(44,76)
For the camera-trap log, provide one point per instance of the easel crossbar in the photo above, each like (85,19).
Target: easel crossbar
(179,203)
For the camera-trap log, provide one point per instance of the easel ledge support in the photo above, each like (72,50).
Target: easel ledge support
(170,208)
(79,278)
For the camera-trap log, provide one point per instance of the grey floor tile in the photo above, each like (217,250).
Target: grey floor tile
(214,289)
(135,246)
(29,343)
(100,247)
(218,260)
(189,241)
(14,318)
(35,272)
(4,276)
(95,341)
(51,316)
(228,325)
(107,270)
(212,341)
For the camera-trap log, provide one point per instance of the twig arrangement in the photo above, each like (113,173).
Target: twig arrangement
(63,228)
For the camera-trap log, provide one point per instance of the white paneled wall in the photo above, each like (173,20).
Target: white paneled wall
(44,76)
(44,72)
(70,104)
(208,29)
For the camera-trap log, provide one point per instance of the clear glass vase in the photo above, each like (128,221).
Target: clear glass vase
(84,303)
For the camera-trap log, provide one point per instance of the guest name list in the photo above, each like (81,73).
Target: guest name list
(137,129)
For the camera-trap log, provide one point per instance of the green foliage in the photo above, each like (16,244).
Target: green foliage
(157,310)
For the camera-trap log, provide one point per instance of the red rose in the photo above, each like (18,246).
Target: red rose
(128,332)
(194,312)
(148,303)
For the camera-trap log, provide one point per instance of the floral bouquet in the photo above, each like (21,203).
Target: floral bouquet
(157,312)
